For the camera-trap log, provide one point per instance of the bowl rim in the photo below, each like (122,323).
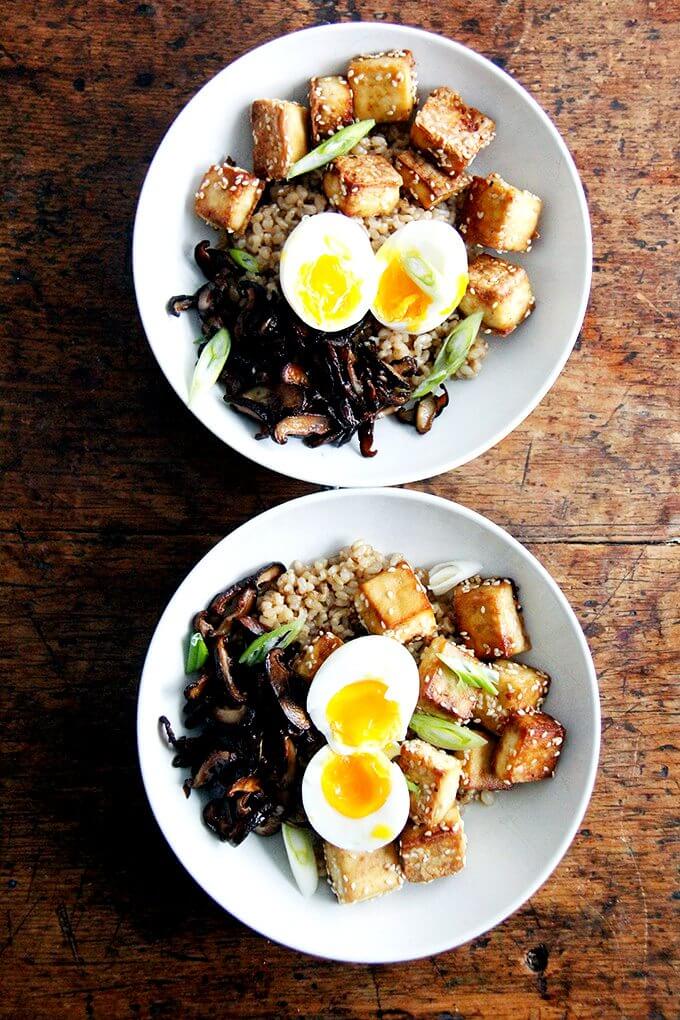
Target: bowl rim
(424,499)
(274,458)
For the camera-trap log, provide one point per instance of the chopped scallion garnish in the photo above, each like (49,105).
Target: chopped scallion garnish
(413,787)
(466,669)
(338,144)
(244,260)
(452,355)
(197,653)
(210,363)
(420,270)
(280,637)
(299,844)
(445,733)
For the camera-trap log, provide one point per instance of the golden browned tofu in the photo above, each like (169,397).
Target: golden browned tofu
(441,692)
(279,136)
(395,603)
(478,772)
(434,777)
(450,131)
(489,620)
(520,687)
(330,106)
(359,875)
(499,290)
(315,654)
(227,196)
(362,185)
(500,216)
(528,747)
(428,185)
(383,85)
(427,854)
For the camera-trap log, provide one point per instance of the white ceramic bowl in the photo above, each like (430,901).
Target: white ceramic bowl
(527,151)
(513,844)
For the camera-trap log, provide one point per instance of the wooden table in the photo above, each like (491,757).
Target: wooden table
(112,491)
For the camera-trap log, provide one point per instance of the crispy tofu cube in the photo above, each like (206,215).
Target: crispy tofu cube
(478,772)
(489,620)
(520,687)
(227,196)
(330,106)
(528,747)
(427,854)
(362,875)
(451,131)
(436,775)
(394,603)
(311,658)
(383,85)
(500,290)
(279,136)
(441,692)
(428,185)
(499,216)
(362,185)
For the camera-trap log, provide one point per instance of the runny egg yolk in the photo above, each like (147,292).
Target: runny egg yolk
(359,714)
(355,785)
(399,297)
(329,291)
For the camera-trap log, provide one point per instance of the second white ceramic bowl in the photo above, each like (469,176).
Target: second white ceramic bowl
(513,845)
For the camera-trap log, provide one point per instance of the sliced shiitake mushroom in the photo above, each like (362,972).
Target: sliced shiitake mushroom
(294,374)
(212,764)
(203,625)
(426,412)
(197,688)
(259,580)
(182,303)
(229,716)
(241,604)
(301,425)
(223,670)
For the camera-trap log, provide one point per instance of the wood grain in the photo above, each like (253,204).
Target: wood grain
(111,491)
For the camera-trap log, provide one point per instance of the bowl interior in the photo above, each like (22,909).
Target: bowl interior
(513,845)
(527,151)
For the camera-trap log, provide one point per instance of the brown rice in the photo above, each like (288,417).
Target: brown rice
(326,591)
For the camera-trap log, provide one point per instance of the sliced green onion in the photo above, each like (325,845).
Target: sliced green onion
(420,270)
(299,844)
(258,650)
(471,673)
(451,356)
(338,144)
(445,733)
(210,363)
(413,787)
(197,653)
(244,260)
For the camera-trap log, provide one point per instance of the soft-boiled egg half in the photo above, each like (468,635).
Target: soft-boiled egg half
(361,699)
(364,694)
(355,801)
(328,271)
(422,276)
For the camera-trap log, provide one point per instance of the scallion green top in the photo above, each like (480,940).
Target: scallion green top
(338,144)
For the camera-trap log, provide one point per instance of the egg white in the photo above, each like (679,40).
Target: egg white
(355,833)
(442,248)
(323,234)
(365,658)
